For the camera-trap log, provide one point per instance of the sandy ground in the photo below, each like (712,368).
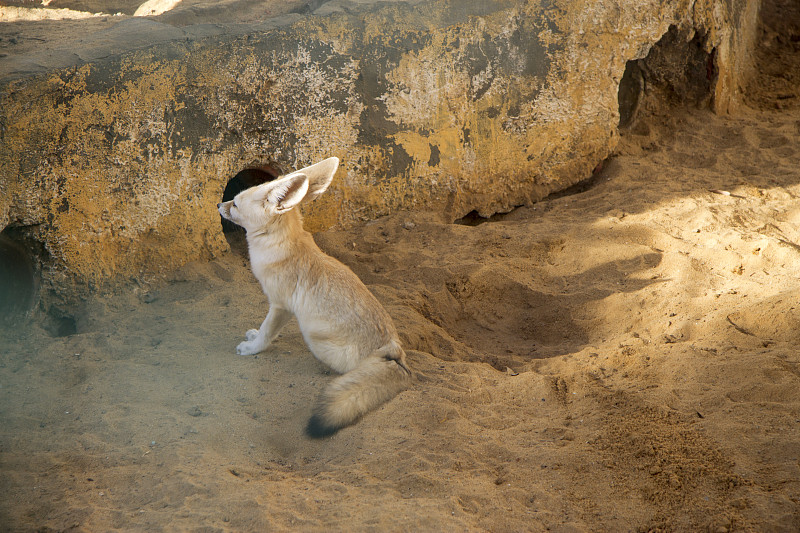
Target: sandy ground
(621,358)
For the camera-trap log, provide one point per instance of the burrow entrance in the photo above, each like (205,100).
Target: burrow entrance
(19,279)
(249,177)
(22,295)
(678,70)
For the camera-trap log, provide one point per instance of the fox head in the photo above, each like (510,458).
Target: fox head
(255,207)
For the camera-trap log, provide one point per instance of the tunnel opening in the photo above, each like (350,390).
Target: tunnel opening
(473,218)
(679,70)
(60,324)
(19,277)
(23,296)
(243,180)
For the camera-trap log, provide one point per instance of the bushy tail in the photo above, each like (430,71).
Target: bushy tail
(378,378)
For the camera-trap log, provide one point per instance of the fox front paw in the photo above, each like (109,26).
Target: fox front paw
(248,348)
(253,345)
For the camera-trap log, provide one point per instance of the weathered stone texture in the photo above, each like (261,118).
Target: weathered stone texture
(116,165)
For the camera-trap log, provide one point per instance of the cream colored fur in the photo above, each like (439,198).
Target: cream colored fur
(342,323)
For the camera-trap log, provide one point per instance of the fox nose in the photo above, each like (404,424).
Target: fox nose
(219,204)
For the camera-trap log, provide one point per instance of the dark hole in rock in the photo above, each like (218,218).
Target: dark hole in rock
(60,325)
(631,87)
(19,284)
(250,177)
(473,218)
(678,70)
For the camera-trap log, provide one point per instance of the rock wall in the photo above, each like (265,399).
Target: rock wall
(113,166)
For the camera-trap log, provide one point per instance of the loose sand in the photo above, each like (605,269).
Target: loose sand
(621,358)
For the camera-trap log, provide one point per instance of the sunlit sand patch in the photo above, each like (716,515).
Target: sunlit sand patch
(27,14)
(152,8)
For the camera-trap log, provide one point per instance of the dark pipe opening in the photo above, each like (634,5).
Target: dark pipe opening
(249,177)
(19,282)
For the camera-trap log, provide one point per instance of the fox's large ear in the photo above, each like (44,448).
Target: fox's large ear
(285,193)
(319,176)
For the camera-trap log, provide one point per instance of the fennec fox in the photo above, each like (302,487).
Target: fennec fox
(342,323)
